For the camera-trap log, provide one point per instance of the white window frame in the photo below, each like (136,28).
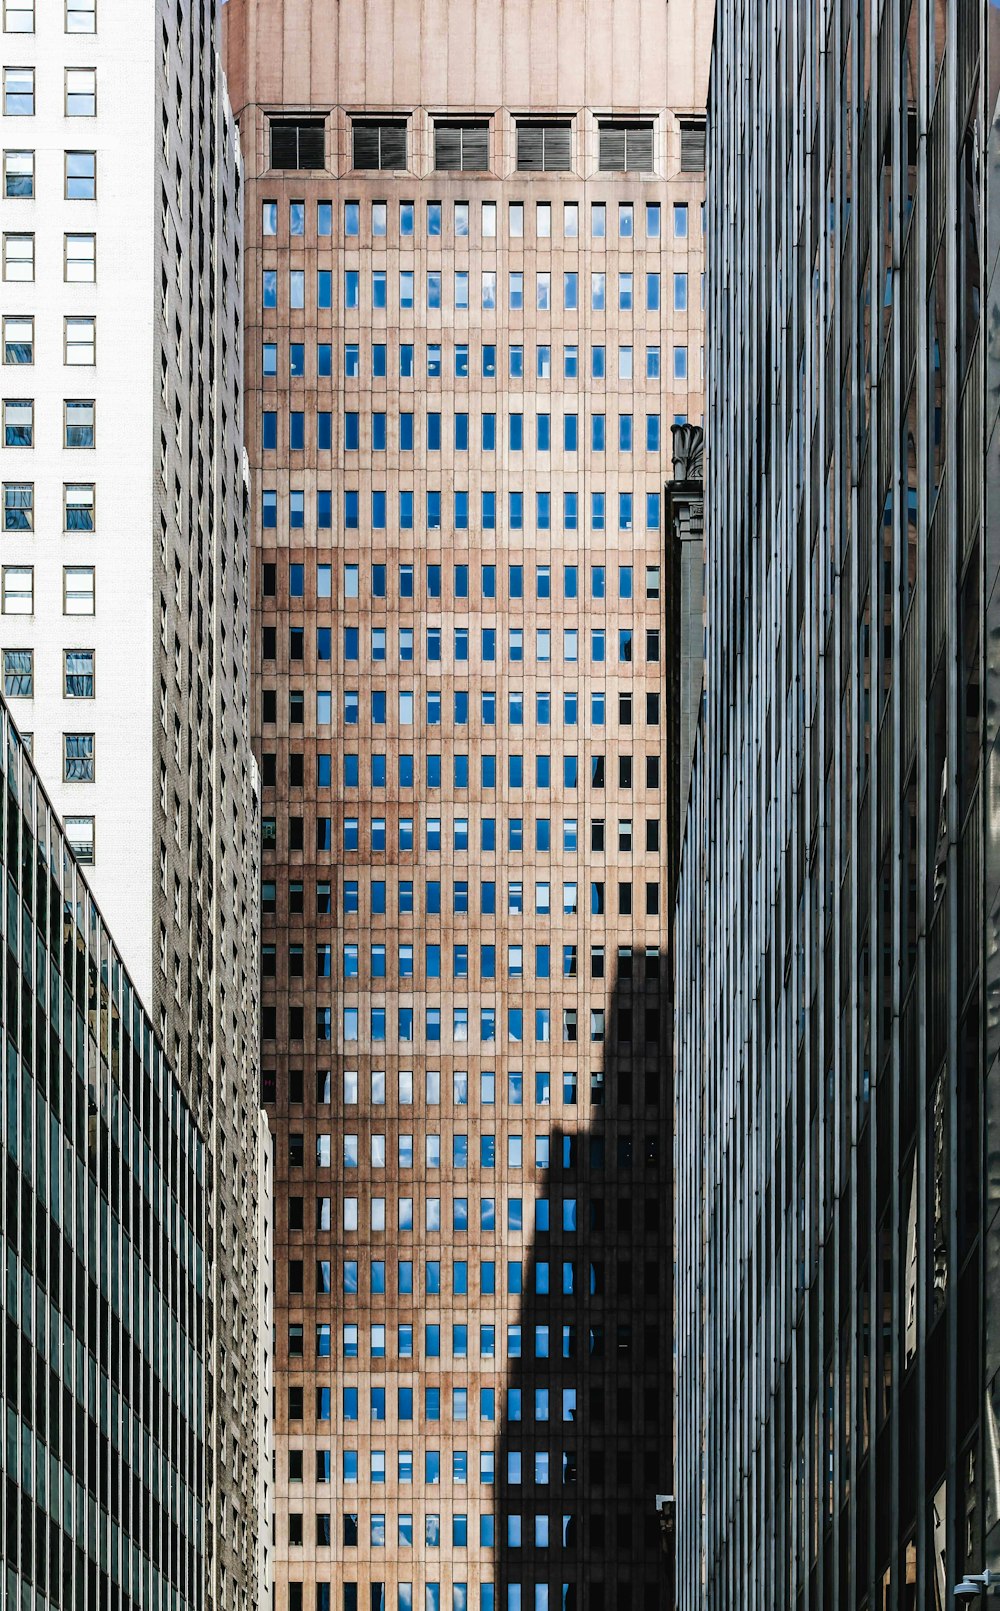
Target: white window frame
(10,407)
(79,402)
(28,672)
(9,75)
(93,674)
(18,16)
(79,341)
(18,587)
(77,152)
(28,506)
(81,83)
(83,845)
(27,171)
(10,323)
(79,257)
(83,759)
(18,255)
(79,590)
(85,9)
(88,500)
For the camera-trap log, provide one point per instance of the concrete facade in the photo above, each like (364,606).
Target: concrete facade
(124,631)
(461,375)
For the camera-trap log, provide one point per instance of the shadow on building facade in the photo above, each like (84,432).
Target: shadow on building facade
(587,1437)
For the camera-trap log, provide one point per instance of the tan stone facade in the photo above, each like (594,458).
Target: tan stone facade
(460,387)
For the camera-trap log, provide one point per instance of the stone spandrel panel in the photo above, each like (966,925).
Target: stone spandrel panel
(466,1055)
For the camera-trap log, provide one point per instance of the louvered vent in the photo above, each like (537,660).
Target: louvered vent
(462,146)
(626,147)
(544,147)
(693,147)
(379,145)
(299,144)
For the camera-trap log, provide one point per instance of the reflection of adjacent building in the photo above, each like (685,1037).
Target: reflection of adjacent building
(104,1348)
(474,258)
(837,1356)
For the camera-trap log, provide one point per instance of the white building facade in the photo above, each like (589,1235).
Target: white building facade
(79,484)
(124,633)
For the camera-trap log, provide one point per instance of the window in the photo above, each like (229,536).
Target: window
(80,837)
(18,673)
(379,145)
(462,145)
(81,16)
(81,92)
(78,506)
(79,258)
(298,143)
(18,341)
(18,590)
(78,590)
(78,757)
(626,148)
(80,342)
(18,506)
(19,91)
(19,16)
(18,175)
(79,424)
(78,674)
(544,147)
(81,175)
(18,422)
(19,257)
(693,145)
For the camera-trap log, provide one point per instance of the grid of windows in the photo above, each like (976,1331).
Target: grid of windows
(173,577)
(24,427)
(461,731)
(837,958)
(121,1240)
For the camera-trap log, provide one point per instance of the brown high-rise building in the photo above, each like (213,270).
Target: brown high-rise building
(474,252)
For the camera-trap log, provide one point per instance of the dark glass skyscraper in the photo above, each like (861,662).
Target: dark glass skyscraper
(838,909)
(103,1220)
